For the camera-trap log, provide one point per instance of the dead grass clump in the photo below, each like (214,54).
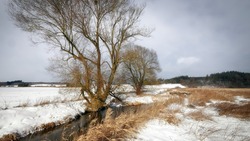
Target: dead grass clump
(201,96)
(24,104)
(42,102)
(244,92)
(10,137)
(178,92)
(175,99)
(199,116)
(170,118)
(168,115)
(126,125)
(234,110)
(48,126)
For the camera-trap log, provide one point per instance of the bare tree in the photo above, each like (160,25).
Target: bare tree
(140,65)
(91,33)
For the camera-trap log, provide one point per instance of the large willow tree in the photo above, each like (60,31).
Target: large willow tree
(91,33)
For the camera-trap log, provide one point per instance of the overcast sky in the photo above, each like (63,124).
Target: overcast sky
(191,37)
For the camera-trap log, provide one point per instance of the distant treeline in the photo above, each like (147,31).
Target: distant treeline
(230,79)
(20,83)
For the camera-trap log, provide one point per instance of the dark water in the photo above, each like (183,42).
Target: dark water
(66,132)
(79,126)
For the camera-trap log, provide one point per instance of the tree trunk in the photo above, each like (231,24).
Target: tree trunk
(95,104)
(138,89)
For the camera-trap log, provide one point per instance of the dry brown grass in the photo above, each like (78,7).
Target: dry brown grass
(48,126)
(127,124)
(10,137)
(24,104)
(234,110)
(199,116)
(42,102)
(201,96)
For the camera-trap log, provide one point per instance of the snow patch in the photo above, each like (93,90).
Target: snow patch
(240,99)
(142,100)
(221,128)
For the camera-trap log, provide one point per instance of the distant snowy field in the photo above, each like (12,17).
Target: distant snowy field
(12,97)
(25,110)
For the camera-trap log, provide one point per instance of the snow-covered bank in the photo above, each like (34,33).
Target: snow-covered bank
(26,120)
(26,110)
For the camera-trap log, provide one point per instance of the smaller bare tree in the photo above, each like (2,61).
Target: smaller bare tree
(140,65)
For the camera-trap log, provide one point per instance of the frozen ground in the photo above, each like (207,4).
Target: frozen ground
(214,128)
(219,129)
(26,110)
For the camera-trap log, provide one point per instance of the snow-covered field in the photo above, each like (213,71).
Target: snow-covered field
(26,110)
(11,97)
(216,128)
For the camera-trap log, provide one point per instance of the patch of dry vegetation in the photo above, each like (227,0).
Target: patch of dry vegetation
(126,125)
(201,96)
(10,137)
(234,110)
(198,116)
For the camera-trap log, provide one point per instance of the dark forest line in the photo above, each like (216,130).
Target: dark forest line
(229,79)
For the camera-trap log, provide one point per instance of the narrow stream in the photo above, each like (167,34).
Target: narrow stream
(66,132)
(69,131)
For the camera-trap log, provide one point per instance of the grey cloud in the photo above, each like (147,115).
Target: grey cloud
(216,32)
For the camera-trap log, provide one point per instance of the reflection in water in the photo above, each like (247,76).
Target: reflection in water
(67,131)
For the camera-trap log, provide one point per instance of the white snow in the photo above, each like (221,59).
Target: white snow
(157,130)
(241,99)
(219,128)
(159,89)
(28,119)
(48,85)
(125,88)
(142,100)
(19,115)
(12,97)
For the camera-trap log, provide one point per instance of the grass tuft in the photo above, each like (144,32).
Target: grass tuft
(234,110)
(198,116)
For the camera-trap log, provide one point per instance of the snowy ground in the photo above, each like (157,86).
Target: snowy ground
(215,127)
(26,110)
(11,97)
